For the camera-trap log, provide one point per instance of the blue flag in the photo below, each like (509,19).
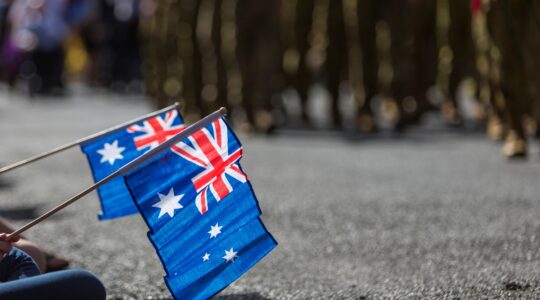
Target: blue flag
(228,260)
(108,152)
(202,212)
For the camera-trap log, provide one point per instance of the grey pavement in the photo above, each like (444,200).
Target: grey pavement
(431,214)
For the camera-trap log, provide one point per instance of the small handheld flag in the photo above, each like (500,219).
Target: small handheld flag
(202,212)
(218,197)
(108,152)
(112,148)
(134,164)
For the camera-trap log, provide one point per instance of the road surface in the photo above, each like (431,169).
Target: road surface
(434,213)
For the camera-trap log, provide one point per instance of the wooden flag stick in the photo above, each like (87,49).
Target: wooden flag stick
(126,168)
(85,140)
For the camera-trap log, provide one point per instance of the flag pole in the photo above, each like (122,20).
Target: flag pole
(86,139)
(126,168)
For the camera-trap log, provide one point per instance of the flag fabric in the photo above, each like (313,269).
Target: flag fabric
(108,152)
(202,213)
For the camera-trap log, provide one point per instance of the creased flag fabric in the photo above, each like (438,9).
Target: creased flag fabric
(241,251)
(107,153)
(202,213)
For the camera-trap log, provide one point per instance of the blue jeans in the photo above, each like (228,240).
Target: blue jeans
(16,264)
(22,281)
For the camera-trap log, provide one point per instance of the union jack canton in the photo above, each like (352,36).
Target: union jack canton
(210,150)
(111,151)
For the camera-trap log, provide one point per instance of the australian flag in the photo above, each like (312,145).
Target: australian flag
(202,212)
(108,152)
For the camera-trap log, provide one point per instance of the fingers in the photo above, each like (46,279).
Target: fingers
(4,237)
(5,246)
(6,242)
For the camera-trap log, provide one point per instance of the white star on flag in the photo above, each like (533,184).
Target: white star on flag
(206,257)
(215,230)
(168,203)
(111,152)
(230,255)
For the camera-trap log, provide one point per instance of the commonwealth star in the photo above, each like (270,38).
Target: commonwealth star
(168,203)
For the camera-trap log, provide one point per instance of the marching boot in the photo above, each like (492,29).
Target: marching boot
(515,146)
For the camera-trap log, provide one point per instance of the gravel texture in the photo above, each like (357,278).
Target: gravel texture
(431,214)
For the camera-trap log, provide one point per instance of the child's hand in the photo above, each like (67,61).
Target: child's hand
(6,245)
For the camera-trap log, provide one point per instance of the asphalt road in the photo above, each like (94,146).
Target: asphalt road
(432,214)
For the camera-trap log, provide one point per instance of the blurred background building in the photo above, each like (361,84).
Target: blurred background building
(362,66)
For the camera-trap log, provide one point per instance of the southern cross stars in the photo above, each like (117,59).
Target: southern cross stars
(206,256)
(168,203)
(215,230)
(111,152)
(230,255)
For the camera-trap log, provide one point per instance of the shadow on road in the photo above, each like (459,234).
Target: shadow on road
(247,296)
(430,131)
(20,213)
(4,184)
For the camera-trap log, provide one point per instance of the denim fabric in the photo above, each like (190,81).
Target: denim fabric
(21,280)
(68,284)
(17,265)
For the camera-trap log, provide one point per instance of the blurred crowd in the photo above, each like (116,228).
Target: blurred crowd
(378,64)
(45,42)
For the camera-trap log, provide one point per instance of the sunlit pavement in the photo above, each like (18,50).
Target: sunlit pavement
(432,213)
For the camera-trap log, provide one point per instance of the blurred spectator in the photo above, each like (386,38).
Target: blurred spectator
(33,46)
